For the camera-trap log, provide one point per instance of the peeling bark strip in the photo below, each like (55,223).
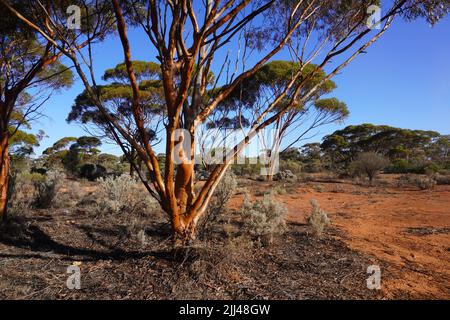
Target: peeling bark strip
(4,175)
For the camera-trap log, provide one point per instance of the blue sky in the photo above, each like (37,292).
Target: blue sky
(403,81)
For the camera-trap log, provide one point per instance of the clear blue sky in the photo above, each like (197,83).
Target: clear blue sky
(403,81)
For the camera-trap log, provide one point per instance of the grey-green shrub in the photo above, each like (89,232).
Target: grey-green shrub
(279,190)
(263,218)
(443,179)
(123,194)
(225,190)
(422,182)
(71,195)
(318,219)
(425,182)
(46,189)
(21,190)
(33,190)
(285,175)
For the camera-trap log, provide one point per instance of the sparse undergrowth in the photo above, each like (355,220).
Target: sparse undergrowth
(443,179)
(123,194)
(263,219)
(47,189)
(136,249)
(34,190)
(223,194)
(420,181)
(318,219)
(117,265)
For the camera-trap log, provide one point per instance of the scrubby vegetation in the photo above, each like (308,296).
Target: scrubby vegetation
(369,164)
(225,191)
(408,151)
(264,219)
(442,179)
(420,181)
(47,189)
(318,219)
(34,190)
(122,195)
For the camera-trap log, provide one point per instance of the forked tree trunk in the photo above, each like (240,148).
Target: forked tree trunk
(184,230)
(185,195)
(4,175)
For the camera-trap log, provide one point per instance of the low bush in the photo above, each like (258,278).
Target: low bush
(400,166)
(223,193)
(69,195)
(443,179)
(21,192)
(369,164)
(425,183)
(305,177)
(420,181)
(313,166)
(248,170)
(285,175)
(291,165)
(318,219)
(242,190)
(263,219)
(46,190)
(431,168)
(279,190)
(30,178)
(319,188)
(414,167)
(123,194)
(33,190)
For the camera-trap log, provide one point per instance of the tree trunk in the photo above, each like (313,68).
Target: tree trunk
(184,194)
(4,175)
(183,228)
(131,172)
(273,161)
(184,231)
(271,171)
(183,186)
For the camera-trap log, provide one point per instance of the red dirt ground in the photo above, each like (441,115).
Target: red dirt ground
(407,229)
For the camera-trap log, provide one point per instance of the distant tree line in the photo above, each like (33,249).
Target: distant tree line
(406,151)
(77,157)
(367,147)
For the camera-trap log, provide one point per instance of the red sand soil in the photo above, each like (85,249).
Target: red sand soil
(405,229)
